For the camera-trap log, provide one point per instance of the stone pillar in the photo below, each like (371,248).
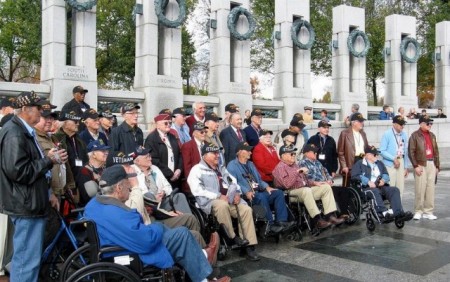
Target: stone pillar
(400,76)
(54,71)
(158,60)
(229,59)
(349,72)
(442,71)
(292,83)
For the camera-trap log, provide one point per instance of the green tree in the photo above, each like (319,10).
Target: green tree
(20,40)
(187,57)
(262,52)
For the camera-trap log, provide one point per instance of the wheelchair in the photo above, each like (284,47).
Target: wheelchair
(94,263)
(367,201)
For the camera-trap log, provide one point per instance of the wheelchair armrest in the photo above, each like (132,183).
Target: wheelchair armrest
(111,249)
(77,210)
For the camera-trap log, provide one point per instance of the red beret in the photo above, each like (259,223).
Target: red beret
(162,117)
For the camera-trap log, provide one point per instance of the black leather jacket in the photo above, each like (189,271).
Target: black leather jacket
(23,185)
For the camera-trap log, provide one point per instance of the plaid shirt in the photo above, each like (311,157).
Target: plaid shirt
(287,176)
(316,170)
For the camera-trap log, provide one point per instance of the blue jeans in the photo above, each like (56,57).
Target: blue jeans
(28,244)
(187,252)
(276,198)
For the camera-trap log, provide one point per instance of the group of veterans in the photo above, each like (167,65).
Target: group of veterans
(124,179)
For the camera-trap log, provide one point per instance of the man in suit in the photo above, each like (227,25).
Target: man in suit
(164,150)
(199,110)
(191,151)
(229,109)
(351,145)
(77,104)
(232,136)
(252,131)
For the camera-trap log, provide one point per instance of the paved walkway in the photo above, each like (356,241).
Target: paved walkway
(418,252)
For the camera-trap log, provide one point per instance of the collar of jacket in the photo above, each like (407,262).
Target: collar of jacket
(107,200)
(17,121)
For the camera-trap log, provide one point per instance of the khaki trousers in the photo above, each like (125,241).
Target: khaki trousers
(223,212)
(309,195)
(397,176)
(3,236)
(424,186)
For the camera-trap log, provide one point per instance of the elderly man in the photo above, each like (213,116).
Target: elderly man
(394,150)
(127,136)
(6,106)
(351,144)
(42,128)
(164,149)
(199,110)
(229,109)
(326,145)
(231,136)
(318,175)
(212,125)
(265,156)
(374,178)
(25,174)
(156,245)
(217,193)
(180,126)
(252,131)
(290,176)
(92,130)
(68,139)
(296,127)
(106,123)
(77,104)
(257,191)
(354,109)
(192,151)
(423,152)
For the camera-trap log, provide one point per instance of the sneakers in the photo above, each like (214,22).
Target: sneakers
(417,216)
(429,216)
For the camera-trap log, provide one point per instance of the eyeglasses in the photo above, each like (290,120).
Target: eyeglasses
(429,123)
(202,132)
(166,123)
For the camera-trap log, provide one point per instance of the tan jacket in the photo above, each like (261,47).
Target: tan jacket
(416,149)
(346,147)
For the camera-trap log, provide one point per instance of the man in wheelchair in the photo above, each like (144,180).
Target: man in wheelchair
(374,177)
(155,244)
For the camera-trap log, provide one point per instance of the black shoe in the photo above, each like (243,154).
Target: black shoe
(404,216)
(387,218)
(251,254)
(240,242)
(273,228)
(287,225)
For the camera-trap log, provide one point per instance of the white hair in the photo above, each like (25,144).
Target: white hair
(196,104)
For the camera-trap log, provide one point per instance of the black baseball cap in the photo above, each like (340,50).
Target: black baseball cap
(243,146)
(212,116)
(179,111)
(287,132)
(425,118)
(29,99)
(257,112)
(79,89)
(72,115)
(113,175)
(357,117)
(263,132)
(47,111)
(107,114)
(199,126)
(297,122)
(232,108)
(310,147)
(371,150)
(165,111)
(7,102)
(399,119)
(210,148)
(91,113)
(129,107)
(287,149)
(140,151)
(323,123)
(122,158)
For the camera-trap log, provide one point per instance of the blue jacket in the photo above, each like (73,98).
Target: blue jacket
(252,135)
(386,116)
(87,137)
(230,140)
(388,148)
(363,172)
(118,225)
(239,170)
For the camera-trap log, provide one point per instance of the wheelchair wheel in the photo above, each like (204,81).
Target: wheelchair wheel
(77,260)
(399,224)
(355,208)
(370,224)
(104,271)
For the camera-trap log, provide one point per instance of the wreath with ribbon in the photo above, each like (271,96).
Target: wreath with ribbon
(404,46)
(233,17)
(295,29)
(82,7)
(351,42)
(160,7)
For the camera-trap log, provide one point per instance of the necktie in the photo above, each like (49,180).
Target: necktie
(239,135)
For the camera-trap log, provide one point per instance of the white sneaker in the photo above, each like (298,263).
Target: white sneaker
(390,211)
(429,216)
(417,216)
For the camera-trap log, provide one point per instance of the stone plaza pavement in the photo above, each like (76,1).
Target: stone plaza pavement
(418,252)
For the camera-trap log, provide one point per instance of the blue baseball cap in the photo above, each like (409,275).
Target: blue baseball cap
(97,146)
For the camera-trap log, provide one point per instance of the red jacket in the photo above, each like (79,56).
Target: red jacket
(190,121)
(191,156)
(265,161)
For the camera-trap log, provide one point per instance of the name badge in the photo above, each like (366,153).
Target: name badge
(322,157)
(78,162)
